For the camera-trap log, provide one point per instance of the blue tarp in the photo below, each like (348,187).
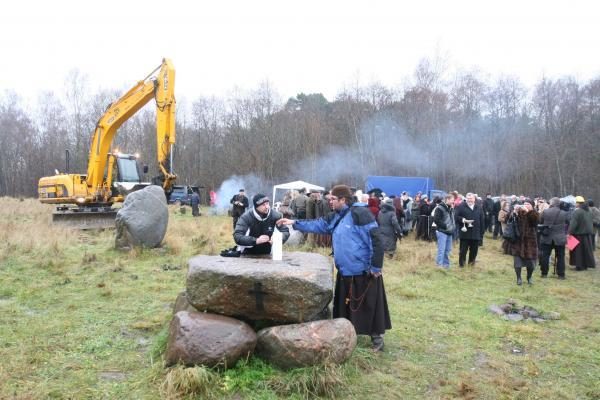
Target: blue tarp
(395,185)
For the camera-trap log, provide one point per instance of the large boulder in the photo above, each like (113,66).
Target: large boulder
(295,289)
(307,344)
(143,219)
(182,304)
(208,339)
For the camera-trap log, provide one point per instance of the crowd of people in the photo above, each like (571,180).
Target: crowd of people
(531,229)
(363,228)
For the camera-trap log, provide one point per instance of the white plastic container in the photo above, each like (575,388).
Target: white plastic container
(277,245)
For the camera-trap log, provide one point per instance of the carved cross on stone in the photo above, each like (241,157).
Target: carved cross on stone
(258,295)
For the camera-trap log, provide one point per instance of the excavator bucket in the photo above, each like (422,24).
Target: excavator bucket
(88,218)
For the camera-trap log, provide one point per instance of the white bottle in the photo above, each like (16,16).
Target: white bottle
(277,245)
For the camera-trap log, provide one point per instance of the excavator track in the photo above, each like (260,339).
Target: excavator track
(85,218)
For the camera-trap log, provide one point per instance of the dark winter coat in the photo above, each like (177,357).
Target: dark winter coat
(299,204)
(476,214)
(582,222)
(557,219)
(488,207)
(443,217)
(237,209)
(497,208)
(526,247)
(389,227)
(251,225)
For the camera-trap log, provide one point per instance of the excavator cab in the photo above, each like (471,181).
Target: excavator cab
(128,174)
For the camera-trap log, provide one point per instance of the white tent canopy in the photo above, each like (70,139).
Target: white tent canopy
(295,185)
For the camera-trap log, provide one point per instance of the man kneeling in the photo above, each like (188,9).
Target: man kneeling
(255,227)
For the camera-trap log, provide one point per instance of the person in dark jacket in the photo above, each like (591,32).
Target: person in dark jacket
(469,217)
(525,249)
(443,218)
(488,212)
(358,256)
(497,223)
(596,220)
(582,227)
(299,204)
(389,227)
(195,203)
(424,224)
(239,204)
(556,219)
(254,229)
(415,209)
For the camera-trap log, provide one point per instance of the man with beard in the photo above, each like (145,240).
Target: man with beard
(469,217)
(254,229)
(358,256)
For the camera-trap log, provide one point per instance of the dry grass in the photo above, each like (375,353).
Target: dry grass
(325,380)
(71,307)
(182,382)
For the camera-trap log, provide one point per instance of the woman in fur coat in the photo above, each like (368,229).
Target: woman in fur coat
(525,249)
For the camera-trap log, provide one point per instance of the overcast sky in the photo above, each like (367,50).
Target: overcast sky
(301,46)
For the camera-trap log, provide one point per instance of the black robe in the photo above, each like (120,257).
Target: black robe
(361,300)
(582,256)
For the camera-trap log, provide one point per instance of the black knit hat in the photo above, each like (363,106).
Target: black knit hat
(259,199)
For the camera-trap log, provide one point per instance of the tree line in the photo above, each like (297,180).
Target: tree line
(468,132)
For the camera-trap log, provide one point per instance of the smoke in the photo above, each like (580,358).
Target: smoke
(382,147)
(251,183)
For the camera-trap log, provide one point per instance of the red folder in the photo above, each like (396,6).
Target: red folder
(572,242)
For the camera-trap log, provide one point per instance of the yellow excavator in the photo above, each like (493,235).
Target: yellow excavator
(86,201)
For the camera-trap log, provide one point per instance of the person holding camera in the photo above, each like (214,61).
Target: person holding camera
(525,249)
(553,237)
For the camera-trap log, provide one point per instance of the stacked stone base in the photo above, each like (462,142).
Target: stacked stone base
(233,307)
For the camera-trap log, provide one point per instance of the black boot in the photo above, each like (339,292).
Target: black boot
(529,275)
(377,342)
(518,272)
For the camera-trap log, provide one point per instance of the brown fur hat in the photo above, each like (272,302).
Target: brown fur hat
(340,191)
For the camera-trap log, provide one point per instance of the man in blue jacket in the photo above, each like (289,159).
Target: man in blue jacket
(358,256)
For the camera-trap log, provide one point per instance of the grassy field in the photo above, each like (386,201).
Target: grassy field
(80,320)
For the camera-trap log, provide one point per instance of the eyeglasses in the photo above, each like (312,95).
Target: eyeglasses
(333,198)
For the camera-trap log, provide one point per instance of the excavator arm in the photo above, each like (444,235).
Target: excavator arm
(161,88)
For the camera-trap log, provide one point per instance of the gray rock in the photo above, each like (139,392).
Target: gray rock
(295,289)
(552,315)
(495,309)
(514,317)
(143,219)
(507,308)
(182,304)
(296,238)
(307,344)
(208,339)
